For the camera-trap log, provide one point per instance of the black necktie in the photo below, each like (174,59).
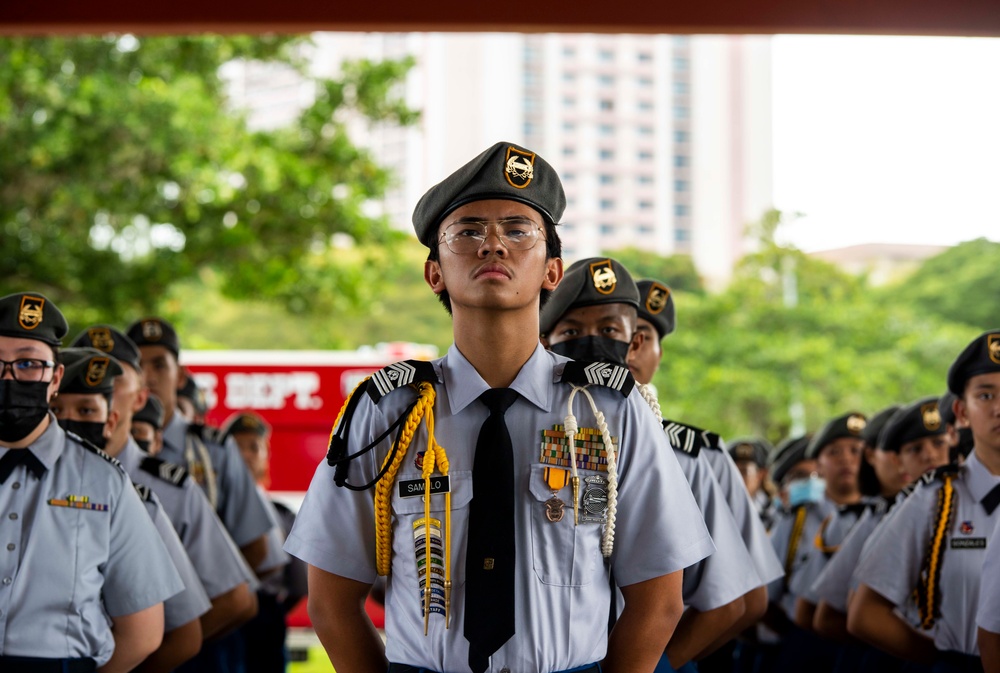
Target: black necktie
(489,556)
(15,457)
(992,499)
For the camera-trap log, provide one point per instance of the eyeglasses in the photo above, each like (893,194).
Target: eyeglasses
(467,236)
(26,369)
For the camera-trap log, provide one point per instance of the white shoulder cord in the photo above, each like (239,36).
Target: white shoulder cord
(608,538)
(649,394)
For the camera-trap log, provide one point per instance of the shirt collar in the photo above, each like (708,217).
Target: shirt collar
(49,445)
(533,381)
(173,433)
(978,478)
(131,456)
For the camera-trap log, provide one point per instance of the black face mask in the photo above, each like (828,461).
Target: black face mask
(593,349)
(92,432)
(23,405)
(965,442)
(143,444)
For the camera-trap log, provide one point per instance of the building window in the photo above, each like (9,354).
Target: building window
(569,151)
(681,112)
(681,63)
(680,161)
(530,78)
(606,179)
(569,52)
(606,229)
(645,130)
(682,235)
(530,104)
(606,104)
(606,154)
(681,136)
(568,177)
(681,210)
(680,185)
(605,55)
(605,80)
(569,102)
(607,204)
(645,56)
(529,129)
(569,77)
(644,179)
(645,82)
(605,130)
(568,126)
(645,104)
(681,40)
(645,205)
(645,229)
(645,155)
(681,88)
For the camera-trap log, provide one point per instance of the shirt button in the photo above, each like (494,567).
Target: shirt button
(16,485)
(7,580)
(10,546)
(13,516)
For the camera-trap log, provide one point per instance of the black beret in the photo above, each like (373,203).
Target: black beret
(244,421)
(875,424)
(848,425)
(785,457)
(982,356)
(155,332)
(504,171)
(110,340)
(151,413)
(88,371)
(751,448)
(946,407)
(591,281)
(29,315)
(914,421)
(190,390)
(656,304)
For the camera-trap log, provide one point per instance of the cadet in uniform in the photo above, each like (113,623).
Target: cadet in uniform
(935,542)
(224,575)
(514,564)
(591,317)
(83,406)
(656,318)
(147,427)
(750,455)
(71,519)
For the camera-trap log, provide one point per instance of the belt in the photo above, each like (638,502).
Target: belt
(404,668)
(38,665)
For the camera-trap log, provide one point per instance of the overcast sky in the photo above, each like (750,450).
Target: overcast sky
(887,139)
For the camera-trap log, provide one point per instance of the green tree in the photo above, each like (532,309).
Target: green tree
(124,171)
(959,285)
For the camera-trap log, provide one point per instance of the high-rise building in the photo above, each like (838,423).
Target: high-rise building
(663,142)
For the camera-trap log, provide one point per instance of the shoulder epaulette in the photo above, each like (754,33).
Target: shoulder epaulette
(397,375)
(604,374)
(168,472)
(145,494)
(202,432)
(93,448)
(688,438)
(940,473)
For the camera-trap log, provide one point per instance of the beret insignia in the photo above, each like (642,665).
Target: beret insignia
(930,415)
(519,167)
(603,275)
(656,298)
(152,330)
(31,313)
(993,347)
(856,423)
(97,368)
(101,339)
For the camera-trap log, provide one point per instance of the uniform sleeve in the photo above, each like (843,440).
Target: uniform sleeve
(779,543)
(766,562)
(988,615)
(729,573)
(215,557)
(334,529)
(138,573)
(893,567)
(659,528)
(276,556)
(241,506)
(192,601)
(834,582)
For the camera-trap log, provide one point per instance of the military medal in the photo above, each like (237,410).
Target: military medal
(554,509)
(555,479)
(594,501)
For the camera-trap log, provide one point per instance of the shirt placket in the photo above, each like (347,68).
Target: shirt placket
(11,527)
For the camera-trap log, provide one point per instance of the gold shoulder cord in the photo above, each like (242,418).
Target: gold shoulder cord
(435,456)
(793,541)
(820,542)
(928,591)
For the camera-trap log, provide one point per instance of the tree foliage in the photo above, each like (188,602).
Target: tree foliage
(677,271)
(124,171)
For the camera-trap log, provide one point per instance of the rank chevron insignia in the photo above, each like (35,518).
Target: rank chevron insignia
(604,374)
(689,439)
(397,375)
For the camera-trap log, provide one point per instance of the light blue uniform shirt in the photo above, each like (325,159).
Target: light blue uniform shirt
(65,569)
(215,557)
(833,531)
(769,567)
(781,590)
(191,602)
(988,617)
(894,569)
(563,595)
(239,505)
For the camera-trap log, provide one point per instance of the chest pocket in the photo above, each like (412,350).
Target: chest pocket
(562,554)
(408,540)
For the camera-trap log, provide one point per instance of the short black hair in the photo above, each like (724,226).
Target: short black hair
(553,250)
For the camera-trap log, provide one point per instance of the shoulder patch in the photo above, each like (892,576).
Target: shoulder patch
(202,432)
(93,448)
(940,473)
(399,374)
(169,472)
(604,374)
(689,439)
(144,493)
